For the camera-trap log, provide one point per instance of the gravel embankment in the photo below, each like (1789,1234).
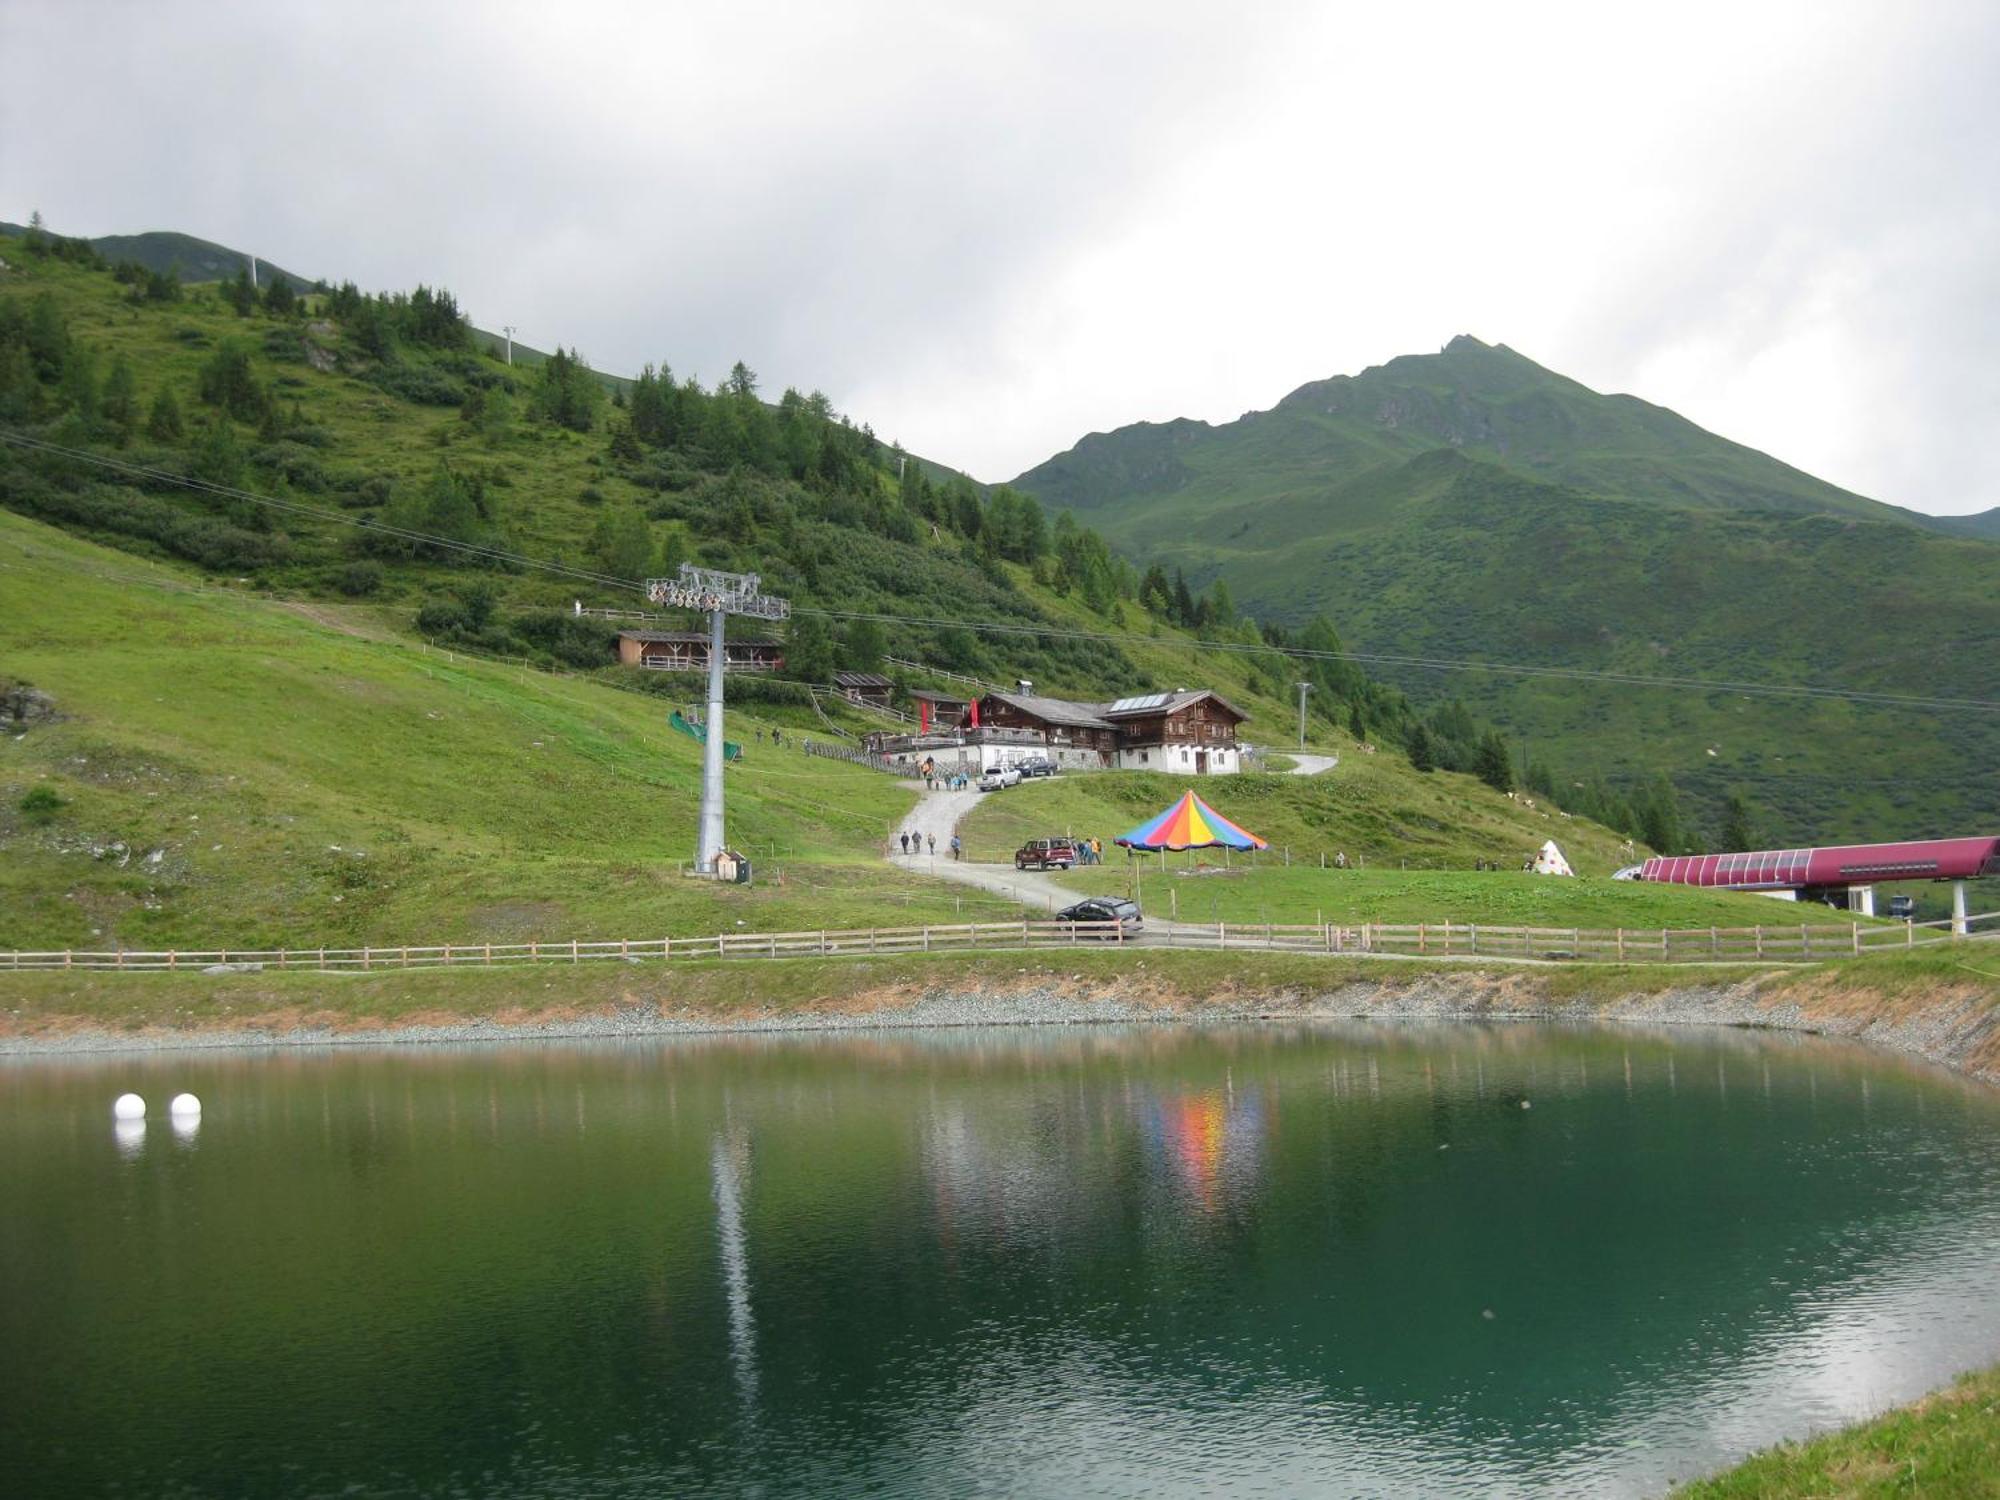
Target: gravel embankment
(1949,1025)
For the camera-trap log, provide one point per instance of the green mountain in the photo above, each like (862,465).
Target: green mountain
(1472,505)
(1985,523)
(1483,400)
(178,254)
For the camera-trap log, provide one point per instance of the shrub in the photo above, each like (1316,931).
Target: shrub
(359,579)
(41,805)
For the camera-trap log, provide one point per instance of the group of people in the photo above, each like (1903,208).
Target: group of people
(1090,851)
(937,780)
(915,843)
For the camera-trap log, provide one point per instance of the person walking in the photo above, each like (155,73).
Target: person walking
(933,842)
(957,849)
(906,842)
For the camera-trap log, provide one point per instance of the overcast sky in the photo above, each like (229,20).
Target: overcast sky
(990,229)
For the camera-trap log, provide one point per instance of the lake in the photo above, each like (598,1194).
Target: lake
(1349,1259)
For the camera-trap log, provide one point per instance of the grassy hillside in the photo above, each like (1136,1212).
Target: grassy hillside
(1470,505)
(228,768)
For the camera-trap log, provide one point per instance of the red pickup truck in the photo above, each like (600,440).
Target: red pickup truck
(1045,854)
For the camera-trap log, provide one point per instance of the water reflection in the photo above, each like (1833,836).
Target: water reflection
(1082,1261)
(730,1164)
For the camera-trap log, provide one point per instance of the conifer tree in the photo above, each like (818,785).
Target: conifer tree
(1421,758)
(163,422)
(119,405)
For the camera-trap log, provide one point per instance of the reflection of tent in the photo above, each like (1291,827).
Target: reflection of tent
(730,749)
(1189,824)
(1550,861)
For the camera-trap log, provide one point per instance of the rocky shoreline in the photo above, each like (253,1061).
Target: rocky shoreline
(1954,1025)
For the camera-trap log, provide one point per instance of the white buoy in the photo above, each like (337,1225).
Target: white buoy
(128,1107)
(185,1104)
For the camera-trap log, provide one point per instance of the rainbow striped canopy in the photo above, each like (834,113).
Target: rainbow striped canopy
(1189,824)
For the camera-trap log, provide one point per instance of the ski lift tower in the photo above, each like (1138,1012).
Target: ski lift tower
(719,595)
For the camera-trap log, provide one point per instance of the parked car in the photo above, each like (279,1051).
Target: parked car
(999,778)
(1903,907)
(1037,767)
(1045,854)
(1110,917)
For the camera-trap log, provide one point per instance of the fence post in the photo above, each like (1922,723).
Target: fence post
(1472,932)
(173,958)
(284,959)
(1805,942)
(572,950)
(367,958)
(1621,945)
(1760,939)
(534,949)
(406,958)
(1857,939)
(66,957)
(322,958)
(1910,932)
(489,953)
(1222,934)
(1423,938)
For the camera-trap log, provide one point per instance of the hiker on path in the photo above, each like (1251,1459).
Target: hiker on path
(933,838)
(906,841)
(957,849)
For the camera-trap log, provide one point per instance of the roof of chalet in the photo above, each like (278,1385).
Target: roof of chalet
(693,638)
(1166,703)
(1055,710)
(861,680)
(932,695)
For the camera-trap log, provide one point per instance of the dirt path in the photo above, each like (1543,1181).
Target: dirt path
(333,617)
(1312,765)
(934,817)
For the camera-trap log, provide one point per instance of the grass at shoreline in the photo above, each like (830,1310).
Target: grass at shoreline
(1945,1445)
(1501,897)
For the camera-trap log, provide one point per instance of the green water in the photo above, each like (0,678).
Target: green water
(1342,1260)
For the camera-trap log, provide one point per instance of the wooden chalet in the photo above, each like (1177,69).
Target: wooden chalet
(1072,733)
(942,711)
(1183,733)
(870,689)
(687,651)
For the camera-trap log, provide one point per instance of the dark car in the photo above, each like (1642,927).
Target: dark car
(1111,917)
(1045,854)
(1038,767)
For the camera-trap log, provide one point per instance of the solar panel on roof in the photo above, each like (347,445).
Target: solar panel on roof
(1151,700)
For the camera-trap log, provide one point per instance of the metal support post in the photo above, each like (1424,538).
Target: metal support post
(711,766)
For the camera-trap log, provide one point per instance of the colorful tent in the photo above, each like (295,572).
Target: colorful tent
(1189,824)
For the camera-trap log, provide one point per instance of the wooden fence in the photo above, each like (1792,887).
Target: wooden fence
(1804,942)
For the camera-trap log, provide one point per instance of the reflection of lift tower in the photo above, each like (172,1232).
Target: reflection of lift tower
(720,595)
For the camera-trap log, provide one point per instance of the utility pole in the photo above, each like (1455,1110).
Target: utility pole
(253,270)
(718,595)
(509,331)
(1304,688)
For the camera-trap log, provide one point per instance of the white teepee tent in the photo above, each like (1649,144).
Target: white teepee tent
(1550,861)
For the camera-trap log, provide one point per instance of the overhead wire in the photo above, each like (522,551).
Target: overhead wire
(1032,629)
